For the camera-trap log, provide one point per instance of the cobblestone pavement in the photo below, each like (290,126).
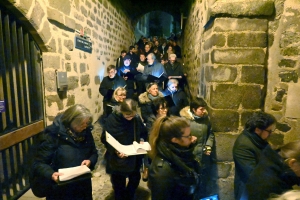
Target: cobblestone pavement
(102,188)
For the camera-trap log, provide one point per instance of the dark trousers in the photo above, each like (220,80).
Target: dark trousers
(123,192)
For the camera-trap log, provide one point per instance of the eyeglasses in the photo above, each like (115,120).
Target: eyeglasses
(270,131)
(187,136)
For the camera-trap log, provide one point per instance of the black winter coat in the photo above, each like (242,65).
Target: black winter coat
(130,75)
(271,176)
(110,84)
(179,99)
(59,150)
(247,151)
(123,131)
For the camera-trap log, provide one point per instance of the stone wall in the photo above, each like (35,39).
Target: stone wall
(243,57)
(54,24)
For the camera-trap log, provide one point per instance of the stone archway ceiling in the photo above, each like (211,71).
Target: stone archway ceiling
(137,8)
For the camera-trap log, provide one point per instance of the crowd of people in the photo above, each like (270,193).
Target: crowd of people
(150,78)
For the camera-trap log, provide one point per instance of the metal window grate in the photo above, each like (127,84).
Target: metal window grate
(21,90)
(20,76)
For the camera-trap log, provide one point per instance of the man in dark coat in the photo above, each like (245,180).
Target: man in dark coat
(153,72)
(272,175)
(174,70)
(248,148)
(128,71)
(109,84)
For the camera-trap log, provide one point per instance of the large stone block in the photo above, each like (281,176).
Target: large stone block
(238,56)
(287,63)
(55,99)
(224,120)
(50,81)
(37,15)
(73,82)
(23,6)
(244,24)
(220,74)
(85,79)
(290,51)
(244,8)
(55,15)
(252,96)
(231,96)
(217,40)
(51,60)
(70,100)
(224,145)
(253,74)
(70,23)
(247,40)
(63,6)
(225,96)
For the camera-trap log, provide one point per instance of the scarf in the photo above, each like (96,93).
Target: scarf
(182,157)
(77,137)
(152,97)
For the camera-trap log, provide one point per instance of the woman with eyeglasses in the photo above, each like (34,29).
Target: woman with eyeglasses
(277,172)
(159,108)
(174,171)
(68,143)
(125,126)
(197,114)
(118,97)
(248,147)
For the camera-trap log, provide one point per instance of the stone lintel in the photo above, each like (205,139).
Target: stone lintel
(248,8)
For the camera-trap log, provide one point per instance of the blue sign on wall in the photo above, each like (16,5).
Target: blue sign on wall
(83,44)
(2,106)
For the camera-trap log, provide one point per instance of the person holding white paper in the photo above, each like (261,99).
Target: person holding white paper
(126,127)
(68,143)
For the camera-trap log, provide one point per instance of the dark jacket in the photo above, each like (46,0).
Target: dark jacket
(108,85)
(179,99)
(168,182)
(201,128)
(271,176)
(146,109)
(247,150)
(123,131)
(59,150)
(130,75)
(155,69)
(175,70)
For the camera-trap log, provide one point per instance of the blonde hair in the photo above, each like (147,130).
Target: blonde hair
(119,89)
(166,128)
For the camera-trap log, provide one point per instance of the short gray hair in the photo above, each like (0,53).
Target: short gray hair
(152,56)
(76,113)
(172,82)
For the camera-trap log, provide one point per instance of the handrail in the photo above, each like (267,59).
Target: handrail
(21,134)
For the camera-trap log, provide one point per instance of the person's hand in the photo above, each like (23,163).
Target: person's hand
(121,155)
(126,70)
(86,162)
(125,78)
(55,176)
(207,150)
